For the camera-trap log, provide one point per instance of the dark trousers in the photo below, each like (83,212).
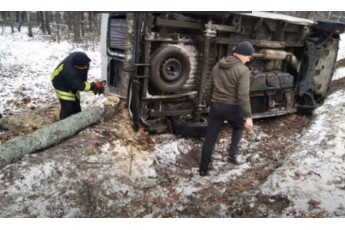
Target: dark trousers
(68,108)
(219,113)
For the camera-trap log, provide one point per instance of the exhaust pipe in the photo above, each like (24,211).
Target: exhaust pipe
(278,55)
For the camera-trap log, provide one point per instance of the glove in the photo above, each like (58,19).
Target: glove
(99,84)
(98,87)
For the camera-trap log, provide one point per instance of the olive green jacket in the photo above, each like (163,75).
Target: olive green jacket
(231,83)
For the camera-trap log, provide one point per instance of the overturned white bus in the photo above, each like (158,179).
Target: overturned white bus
(160,62)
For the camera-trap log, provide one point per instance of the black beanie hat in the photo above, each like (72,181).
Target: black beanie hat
(244,48)
(80,59)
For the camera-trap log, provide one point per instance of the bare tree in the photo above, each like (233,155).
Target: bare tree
(12,20)
(76,26)
(19,20)
(96,22)
(82,24)
(47,16)
(58,21)
(90,19)
(68,19)
(317,15)
(41,19)
(2,22)
(28,18)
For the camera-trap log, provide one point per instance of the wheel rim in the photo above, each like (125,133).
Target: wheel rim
(171,69)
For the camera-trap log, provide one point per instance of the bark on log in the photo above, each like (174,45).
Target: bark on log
(17,147)
(111,107)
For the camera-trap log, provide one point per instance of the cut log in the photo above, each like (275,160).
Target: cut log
(111,107)
(48,135)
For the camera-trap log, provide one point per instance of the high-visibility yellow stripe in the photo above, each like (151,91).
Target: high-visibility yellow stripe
(64,93)
(87,86)
(68,96)
(57,71)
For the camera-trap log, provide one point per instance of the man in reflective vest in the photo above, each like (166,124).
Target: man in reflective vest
(69,78)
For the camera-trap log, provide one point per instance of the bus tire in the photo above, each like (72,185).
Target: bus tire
(170,68)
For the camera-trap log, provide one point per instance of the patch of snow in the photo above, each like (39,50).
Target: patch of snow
(338,74)
(341,51)
(314,172)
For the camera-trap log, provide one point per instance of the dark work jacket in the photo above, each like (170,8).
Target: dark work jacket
(231,83)
(68,78)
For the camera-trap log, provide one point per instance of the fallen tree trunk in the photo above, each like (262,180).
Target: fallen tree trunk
(17,147)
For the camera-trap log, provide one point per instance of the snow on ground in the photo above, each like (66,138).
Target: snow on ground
(339,73)
(26,65)
(341,51)
(311,176)
(314,174)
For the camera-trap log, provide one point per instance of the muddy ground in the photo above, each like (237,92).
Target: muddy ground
(238,198)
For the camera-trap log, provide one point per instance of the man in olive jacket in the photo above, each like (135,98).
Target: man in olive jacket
(229,101)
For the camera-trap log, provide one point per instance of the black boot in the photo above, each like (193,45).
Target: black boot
(232,160)
(202,173)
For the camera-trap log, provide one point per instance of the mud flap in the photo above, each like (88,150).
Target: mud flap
(307,104)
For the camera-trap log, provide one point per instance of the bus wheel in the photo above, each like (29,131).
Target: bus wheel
(170,68)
